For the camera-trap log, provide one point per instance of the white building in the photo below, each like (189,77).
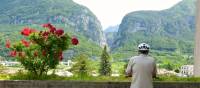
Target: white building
(187,70)
(68,63)
(165,72)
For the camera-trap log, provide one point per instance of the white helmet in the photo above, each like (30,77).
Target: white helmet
(143,46)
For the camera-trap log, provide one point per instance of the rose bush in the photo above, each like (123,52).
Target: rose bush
(40,51)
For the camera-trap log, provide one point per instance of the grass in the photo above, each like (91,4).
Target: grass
(22,75)
(74,78)
(165,78)
(26,76)
(4,77)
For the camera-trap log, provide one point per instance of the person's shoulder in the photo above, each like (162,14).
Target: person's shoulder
(133,57)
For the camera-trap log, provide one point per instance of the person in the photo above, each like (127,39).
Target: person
(142,68)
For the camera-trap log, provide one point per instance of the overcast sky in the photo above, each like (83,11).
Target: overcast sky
(111,12)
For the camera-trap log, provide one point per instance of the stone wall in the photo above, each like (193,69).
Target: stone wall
(71,84)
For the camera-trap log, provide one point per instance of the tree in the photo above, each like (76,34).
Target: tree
(82,66)
(105,65)
(177,70)
(40,51)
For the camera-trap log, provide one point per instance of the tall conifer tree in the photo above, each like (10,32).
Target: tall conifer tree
(105,65)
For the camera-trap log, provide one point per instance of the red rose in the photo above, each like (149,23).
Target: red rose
(21,54)
(46,25)
(59,32)
(51,28)
(60,55)
(33,30)
(74,41)
(25,43)
(60,58)
(7,43)
(35,53)
(44,53)
(26,31)
(45,34)
(13,53)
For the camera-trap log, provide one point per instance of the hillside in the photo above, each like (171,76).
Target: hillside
(169,32)
(53,11)
(110,34)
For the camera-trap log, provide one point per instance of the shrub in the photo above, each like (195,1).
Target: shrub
(105,65)
(40,51)
(81,68)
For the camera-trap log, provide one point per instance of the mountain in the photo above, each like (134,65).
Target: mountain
(168,31)
(110,33)
(73,18)
(81,19)
(112,29)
